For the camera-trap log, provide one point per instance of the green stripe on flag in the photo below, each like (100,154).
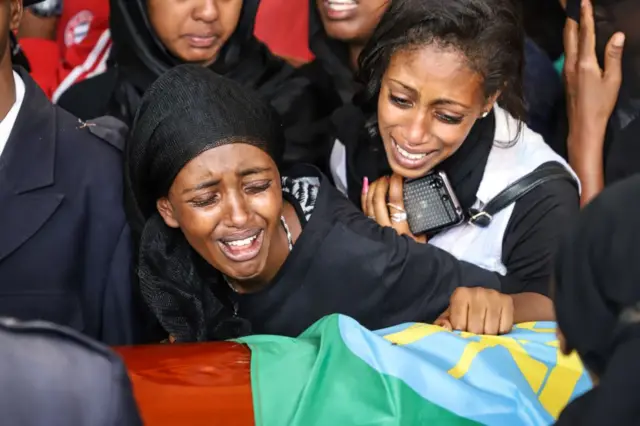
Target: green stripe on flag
(315,380)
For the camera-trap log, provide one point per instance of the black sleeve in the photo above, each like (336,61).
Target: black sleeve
(537,221)
(414,280)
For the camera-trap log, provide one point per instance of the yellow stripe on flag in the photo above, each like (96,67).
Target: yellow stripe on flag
(561,379)
(531,326)
(413,333)
(533,370)
(561,383)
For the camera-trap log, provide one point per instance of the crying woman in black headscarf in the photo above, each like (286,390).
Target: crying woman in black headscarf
(597,299)
(151,36)
(229,246)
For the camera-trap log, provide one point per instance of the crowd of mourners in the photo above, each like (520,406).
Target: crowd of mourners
(165,177)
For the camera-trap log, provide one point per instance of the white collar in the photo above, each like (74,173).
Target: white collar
(6,125)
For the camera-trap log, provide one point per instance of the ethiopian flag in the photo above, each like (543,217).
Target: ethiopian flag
(337,373)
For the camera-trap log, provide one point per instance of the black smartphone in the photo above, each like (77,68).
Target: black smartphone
(431,204)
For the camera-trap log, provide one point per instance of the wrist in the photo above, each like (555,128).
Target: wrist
(586,160)
(585,147)
(580,127)
(529,307)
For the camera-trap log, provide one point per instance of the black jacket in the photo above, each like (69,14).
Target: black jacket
(65,246)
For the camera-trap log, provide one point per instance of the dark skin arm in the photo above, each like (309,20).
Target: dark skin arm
(532,307)
(591,98)
(476,310)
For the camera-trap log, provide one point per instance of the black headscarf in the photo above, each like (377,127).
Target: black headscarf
(597,284)
(185,112)
(141,58)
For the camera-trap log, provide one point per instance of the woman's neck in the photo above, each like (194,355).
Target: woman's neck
(278,253)
(354,53)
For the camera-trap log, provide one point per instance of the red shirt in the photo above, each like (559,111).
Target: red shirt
(81,48)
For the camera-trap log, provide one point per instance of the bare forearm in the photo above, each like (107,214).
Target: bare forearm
(532,307)
(588,164)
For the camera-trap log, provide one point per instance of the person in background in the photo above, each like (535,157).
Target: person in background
(597,303)
(65,41)
(339,30)
(151,36)
(65,250)
(444,88)
(543,22)
(41,20)
(618,150)
(229,246)
(52,375)
(592,94)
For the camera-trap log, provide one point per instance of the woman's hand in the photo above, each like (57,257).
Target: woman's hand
(591,98)
(478,310)
(592,92)
(387,213)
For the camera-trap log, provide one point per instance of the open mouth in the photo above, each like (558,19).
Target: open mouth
(337,9)
(242,248)
(410,160)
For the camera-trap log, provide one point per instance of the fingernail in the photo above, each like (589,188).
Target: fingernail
(618,40)
(365,185)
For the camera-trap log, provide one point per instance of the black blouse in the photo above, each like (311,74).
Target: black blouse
(343,262)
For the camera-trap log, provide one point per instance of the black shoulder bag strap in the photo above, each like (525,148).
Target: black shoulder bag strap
(518,189)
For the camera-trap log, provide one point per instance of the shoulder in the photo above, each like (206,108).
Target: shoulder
(104,133)
(556,197)
(518,152)
(90,98)
(333,208)
(92,148)
(41,352)
(52,334)
(101,81)
(542,215)
(329,204)
(24,343)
